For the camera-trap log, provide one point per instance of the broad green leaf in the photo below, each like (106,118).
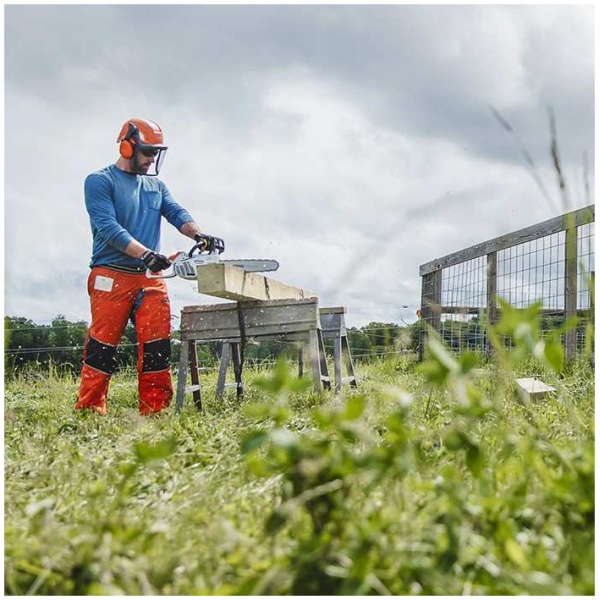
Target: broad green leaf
(474,459)
(468,361)
(254,440)
(516,553)
(354,408)
(146,452)
(554,355)
(454,439)
(258,410)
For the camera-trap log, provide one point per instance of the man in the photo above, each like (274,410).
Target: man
(125,202)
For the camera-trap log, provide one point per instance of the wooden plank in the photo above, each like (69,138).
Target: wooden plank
(332,322)
(576,218)
(461,310)
(233,283)
(475,310)
(338,310)
(534,388)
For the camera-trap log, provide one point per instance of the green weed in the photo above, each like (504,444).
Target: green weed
(431,479)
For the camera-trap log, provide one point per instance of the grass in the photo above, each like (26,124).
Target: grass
(408,485)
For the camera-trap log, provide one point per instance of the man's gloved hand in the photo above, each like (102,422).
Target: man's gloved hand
(209,243)
(155,261)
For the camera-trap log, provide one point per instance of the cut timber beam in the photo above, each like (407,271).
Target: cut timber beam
(233,283)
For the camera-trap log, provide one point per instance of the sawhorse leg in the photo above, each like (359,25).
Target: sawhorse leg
(195,375)
(230,351)
(341,351)
(316,352)
(187,360)
(182,376)
(337,362)
(345,350)
(318,361)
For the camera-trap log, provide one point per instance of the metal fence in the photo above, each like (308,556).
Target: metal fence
(552,261)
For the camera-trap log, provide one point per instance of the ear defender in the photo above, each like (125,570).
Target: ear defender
(126,147)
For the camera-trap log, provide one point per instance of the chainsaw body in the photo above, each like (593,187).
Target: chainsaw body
(184,264)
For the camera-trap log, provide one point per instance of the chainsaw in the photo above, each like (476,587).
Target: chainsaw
(184,264)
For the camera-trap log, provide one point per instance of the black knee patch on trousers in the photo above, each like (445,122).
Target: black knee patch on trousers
(157,356)
(101,357)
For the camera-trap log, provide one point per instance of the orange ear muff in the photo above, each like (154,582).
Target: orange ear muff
(126,149)
(126,146)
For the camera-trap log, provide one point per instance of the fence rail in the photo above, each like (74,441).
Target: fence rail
(552,261)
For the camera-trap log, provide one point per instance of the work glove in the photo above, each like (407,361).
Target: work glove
(208,243)
(155,261)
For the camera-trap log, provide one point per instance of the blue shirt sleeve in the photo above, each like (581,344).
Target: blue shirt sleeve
(101,208)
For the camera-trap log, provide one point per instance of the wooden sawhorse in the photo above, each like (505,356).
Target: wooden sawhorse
(235,322)
(333,325)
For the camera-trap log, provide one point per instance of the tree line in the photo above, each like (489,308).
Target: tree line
(59,345)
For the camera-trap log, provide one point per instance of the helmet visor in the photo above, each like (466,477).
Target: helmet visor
(149,159)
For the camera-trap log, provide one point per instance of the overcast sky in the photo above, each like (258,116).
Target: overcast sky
(351,143)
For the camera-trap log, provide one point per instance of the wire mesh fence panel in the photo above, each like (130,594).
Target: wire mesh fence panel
(551,263)
(463,296)
(533,271)
(586,275)
(586,268)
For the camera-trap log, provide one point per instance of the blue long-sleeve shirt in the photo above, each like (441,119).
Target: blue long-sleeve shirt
(124,206)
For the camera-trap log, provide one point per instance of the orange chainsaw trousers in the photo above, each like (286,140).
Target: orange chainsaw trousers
(116,297)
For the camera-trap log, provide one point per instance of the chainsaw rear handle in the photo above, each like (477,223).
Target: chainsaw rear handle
(166,273)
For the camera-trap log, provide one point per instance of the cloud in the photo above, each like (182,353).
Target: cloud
(350,142)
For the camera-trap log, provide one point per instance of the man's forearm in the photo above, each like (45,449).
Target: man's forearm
(190,229)
(135,249)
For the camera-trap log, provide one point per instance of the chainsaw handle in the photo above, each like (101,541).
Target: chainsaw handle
(218,245)
(167,274)
(196,247)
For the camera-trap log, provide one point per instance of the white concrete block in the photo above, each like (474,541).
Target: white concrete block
(534,388)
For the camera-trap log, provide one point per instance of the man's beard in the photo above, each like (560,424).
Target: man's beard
(140,168)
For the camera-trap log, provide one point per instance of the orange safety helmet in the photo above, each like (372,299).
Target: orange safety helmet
(142,135)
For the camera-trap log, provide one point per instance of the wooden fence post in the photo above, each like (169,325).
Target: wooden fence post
(491,292)
(570,340)
(431,305)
